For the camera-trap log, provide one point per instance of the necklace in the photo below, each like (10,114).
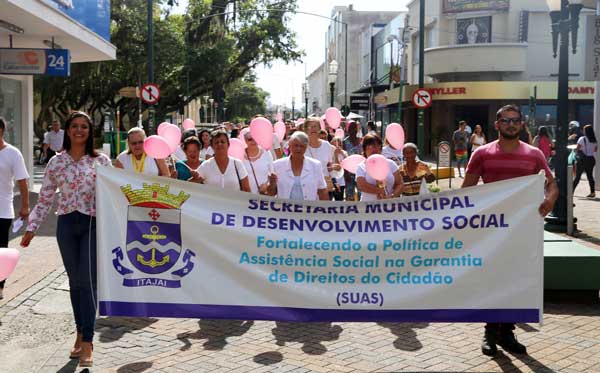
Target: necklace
(138,166)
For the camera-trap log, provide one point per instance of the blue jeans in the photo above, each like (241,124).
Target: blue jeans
(76,236)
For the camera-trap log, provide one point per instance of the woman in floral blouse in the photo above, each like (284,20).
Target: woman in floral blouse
(73,172)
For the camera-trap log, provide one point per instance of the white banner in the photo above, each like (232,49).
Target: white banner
(168,248)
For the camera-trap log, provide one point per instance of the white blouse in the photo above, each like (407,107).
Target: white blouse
(259,170)
(311,177)
(210,173)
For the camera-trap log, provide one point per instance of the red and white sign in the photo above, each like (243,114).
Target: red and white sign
(444,154)
(422,98)
(150,94)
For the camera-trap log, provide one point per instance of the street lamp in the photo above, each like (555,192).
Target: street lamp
(205,106)
(565,19)
(293,104)
(333,71)
(212,110)
(306,89)
(224,114)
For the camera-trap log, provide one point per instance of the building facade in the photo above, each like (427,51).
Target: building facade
(480,55)
(79,26)
(343,36)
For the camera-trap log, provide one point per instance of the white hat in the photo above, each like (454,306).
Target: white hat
(573,123)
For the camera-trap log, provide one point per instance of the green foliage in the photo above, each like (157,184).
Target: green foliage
(208,51)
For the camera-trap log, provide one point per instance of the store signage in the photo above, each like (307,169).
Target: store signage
(448,91)
(18,61)
(359,103)
(380,100)
(455,6)
(592,48)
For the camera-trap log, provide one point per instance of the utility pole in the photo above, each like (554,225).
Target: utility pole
(421,112)
(150,64)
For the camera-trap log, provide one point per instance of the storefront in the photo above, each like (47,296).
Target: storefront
(28,30)
(477,103)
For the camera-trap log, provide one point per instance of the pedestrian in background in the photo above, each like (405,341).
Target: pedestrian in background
(12,167)
(503,159)
(587,147)
(73,173)
(460,138)
(543,142)
(53,140)
(477,138)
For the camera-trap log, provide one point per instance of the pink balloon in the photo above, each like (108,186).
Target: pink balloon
(339,133)
(378,167)
(394,134)
(161,127)
(188,124)
(172,134)
(351,163)
(237,149)
(262,132)
(8,262)
(278,117)
(157,147)
(333,117)
(280,130)
(322,122)
(299,122)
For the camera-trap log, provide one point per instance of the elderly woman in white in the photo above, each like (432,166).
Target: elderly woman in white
(136,160)
(298,177)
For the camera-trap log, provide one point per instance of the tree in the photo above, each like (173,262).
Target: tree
(245,99)
(195,54)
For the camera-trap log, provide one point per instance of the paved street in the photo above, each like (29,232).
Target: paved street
(36,333)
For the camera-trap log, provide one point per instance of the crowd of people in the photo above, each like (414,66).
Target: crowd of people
(305,165)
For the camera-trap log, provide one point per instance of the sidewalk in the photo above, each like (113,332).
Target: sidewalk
(36,332)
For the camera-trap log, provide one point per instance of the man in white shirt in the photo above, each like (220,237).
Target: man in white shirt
(12,167)
(53,141)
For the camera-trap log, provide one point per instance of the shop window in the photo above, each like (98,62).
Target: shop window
(474,30)
(10,110)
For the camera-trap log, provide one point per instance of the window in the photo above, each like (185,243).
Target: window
(474,30)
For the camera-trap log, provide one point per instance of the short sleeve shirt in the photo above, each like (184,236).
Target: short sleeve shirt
(493,164)
(361,171)
(460,139)
(12,167)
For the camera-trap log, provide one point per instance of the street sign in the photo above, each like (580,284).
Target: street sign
(592,48)
(422,98)
(444,154)
(19,61)
(150,94)
(130,92)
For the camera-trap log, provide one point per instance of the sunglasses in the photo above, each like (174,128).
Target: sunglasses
(509,120)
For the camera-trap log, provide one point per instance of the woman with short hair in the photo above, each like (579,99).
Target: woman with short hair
(135,159)
(370,188)
(298,177)
(188,169)
(206,151)
(222,170)
(413,171)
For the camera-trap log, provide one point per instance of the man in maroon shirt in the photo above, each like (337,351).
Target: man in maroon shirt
(507,158)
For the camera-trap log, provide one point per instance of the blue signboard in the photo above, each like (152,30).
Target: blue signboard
(19,61)
(93,14)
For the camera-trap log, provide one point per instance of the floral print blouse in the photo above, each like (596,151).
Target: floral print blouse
(76,181)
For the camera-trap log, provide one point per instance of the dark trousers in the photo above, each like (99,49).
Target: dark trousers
(499,329)
(338,195)
(49,154)
(4,228)
(76,236)
(585,164)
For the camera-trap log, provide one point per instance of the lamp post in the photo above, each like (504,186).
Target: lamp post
(333,71)
(306,89)
(421,112)
(205,106)
(293,104)
(224,114)
(211,102)
(565,19)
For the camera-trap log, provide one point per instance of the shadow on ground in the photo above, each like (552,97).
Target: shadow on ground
(505,363)
(268,358)
(309,334)
(69,367)
(215,332)
(114,328)
(407,337)
(140,366)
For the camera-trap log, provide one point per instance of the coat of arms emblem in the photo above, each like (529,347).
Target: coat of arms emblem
(153,242)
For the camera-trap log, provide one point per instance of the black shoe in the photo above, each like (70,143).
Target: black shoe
(509,343)
(488,345)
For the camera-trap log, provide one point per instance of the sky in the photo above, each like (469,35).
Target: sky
(285,81)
